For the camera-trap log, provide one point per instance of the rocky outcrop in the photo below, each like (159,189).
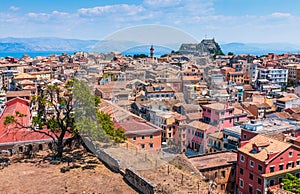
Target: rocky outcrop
(207,47)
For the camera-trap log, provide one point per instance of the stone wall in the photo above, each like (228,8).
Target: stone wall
(101,154)
(139,182)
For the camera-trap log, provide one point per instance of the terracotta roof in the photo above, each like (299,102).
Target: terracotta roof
(248,87)
(263,105)
(217,135)
(217,106)
(213,160)
(10,134)
(284,115)
(200,125)
(134,126)
(274,147)
(26,82)
(288,97)
(194,116)
(24,76)
(21,93)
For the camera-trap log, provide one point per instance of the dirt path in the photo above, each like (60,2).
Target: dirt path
(47,178)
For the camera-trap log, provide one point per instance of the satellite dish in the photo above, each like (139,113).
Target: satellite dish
(204,92)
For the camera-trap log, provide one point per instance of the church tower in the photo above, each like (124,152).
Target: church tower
(151,51)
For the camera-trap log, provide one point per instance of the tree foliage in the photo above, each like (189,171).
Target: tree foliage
(135,56)
(74,111)
(89,120)
(60,122)
(291,183)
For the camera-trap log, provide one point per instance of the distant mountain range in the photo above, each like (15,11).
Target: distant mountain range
(260,48)
(61,44)
(44,44)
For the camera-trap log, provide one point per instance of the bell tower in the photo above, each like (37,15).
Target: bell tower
(151,51)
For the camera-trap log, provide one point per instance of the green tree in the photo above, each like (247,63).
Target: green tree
(74,112)
(230,53)
(135,56)
(89,120)
(60,122)
(291,183)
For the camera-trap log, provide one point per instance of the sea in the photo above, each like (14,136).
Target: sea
(158,53)
(33,54)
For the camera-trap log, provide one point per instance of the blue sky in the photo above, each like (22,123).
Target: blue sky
(249,21)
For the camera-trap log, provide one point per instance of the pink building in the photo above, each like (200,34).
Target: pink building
(222,115)
(196,134)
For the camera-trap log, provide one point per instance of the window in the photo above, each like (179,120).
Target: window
(290,154)
(250,189)
(258,191)
(297,162)
(216,174)
(259,181)
(241,183)
(245,136)
(250,176)
(209,110)
(151,136)
(223,187)
(223,173)
(241,171)
(134,138)
(290,165)
(272,182)
(151,145)
(280,179)
(251,164)
(232,172)
(272,168)
(242,159)
(143,137)
(281,167)
(142,146)
(259,167)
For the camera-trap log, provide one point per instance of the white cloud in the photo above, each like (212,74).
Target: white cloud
(161,3)
(14,8)
(281,15)
(37,15)
(108,9)
(55,12)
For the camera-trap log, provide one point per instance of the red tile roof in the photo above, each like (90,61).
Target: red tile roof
(12,134)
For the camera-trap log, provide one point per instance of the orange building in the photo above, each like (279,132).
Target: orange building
(142,133)
(225,71)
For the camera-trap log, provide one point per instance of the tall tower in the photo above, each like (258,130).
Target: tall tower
(151,51)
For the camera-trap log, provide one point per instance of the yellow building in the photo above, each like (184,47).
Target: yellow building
(236,77)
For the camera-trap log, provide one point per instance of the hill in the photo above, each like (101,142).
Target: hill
(259,48)
(207,47)
(45,44)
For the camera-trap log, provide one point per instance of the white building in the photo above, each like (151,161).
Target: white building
(279,76)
